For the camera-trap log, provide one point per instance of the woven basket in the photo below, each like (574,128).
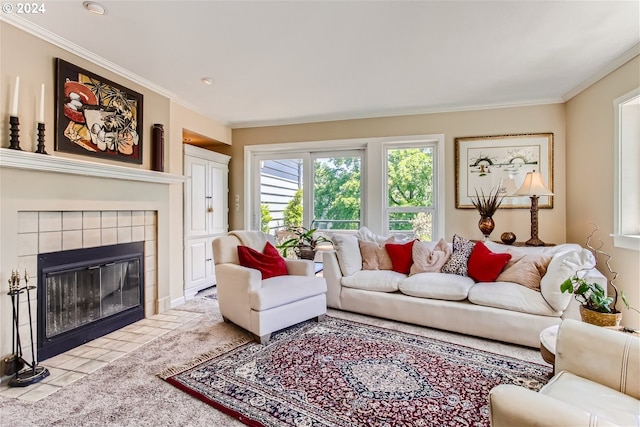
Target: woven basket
(600,319)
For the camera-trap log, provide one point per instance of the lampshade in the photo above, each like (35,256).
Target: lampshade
(533,186)
(507,187)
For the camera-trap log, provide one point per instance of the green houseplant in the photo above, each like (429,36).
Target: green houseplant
(595,305)
(303,242)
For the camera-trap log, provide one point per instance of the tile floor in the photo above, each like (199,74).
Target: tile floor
(68,367)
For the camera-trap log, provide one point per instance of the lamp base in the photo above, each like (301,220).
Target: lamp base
(534,241)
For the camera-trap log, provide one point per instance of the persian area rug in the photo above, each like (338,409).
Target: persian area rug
(344,373)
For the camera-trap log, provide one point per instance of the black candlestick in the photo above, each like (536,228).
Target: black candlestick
(14,142)
(40,148)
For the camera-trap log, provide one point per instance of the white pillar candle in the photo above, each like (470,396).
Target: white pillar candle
(41,115)
(14,105)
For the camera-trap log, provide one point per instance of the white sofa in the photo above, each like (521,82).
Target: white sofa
(502,311)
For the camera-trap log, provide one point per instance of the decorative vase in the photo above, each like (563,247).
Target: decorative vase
(600,319)
(486,226)
(508,238)
(305,252)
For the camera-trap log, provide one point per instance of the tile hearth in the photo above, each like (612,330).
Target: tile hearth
(81,361)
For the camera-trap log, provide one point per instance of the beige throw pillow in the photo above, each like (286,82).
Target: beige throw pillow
(526,270)
(374,256)
(427,260)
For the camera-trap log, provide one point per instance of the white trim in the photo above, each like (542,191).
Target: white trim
(619,239)
(177,302)
(192,150)
(626,242)
(610,67)
(44,163)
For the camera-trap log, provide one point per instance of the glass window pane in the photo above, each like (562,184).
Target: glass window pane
(337,193)
(280,194)
(410,180)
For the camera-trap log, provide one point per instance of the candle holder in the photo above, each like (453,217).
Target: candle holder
(14,141)
(40,149)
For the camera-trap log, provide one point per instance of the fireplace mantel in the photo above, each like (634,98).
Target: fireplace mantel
(44,163)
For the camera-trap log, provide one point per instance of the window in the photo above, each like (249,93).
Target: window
(627,174)
(311,189)
(342,185)
(410,189)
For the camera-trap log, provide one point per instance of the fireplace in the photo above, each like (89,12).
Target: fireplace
(87,293)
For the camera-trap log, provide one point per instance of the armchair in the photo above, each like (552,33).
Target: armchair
(265,306)
(597,383)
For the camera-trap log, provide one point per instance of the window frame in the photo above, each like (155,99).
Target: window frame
(622,165)
(410,209)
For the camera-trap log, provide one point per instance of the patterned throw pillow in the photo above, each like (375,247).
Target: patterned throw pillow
(457,263)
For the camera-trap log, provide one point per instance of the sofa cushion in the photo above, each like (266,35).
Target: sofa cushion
(400,254)
(561,267)
(374,256)
(269,261)
(510,296)
(457,263)
(374,280)
(450,287)
(429,257)
(282,290)
(484,265)
(347,252)
(526,270)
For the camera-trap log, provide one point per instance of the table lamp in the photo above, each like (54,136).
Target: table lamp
(533,186)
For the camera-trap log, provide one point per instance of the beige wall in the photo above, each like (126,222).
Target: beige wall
(590,171)
(534,119)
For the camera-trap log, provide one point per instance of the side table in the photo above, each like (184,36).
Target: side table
(548,338)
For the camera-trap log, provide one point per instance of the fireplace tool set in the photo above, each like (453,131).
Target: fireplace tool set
(14,364)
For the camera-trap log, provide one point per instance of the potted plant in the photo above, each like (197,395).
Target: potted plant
(595,306)
(487,207)
(303,242)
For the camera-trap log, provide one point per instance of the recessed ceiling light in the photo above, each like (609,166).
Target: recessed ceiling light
(207,80)
(94,7)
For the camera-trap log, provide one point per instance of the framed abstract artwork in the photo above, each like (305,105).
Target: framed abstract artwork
(500,163)
(96,117)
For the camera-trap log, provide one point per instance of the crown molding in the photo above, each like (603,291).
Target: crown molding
(73,48)
(607,69)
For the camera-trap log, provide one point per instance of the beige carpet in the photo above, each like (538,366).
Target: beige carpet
(127,392)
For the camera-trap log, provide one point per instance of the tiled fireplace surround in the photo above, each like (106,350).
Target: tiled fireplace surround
(53,231)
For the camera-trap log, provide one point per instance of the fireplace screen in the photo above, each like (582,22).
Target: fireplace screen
(84,294)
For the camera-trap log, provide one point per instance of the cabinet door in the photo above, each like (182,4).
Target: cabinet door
(196,203)
(218,191)
(199,271)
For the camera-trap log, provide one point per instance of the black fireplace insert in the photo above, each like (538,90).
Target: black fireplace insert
(84,294)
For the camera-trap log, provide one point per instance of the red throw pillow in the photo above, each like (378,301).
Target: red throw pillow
(484,265)
(400,255)
(269,262)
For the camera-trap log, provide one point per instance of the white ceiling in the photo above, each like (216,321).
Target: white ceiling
(276,62)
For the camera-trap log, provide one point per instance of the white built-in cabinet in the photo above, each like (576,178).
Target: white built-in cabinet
(205,214)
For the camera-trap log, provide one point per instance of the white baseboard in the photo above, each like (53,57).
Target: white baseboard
(178,301)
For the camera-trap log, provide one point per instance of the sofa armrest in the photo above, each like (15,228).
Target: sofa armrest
(300,267)
(602,355)
(333,275)
(511,405)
